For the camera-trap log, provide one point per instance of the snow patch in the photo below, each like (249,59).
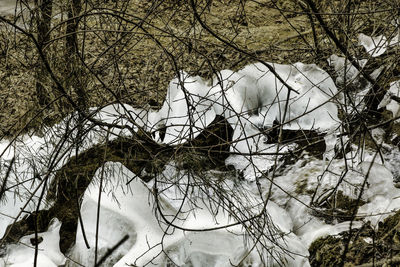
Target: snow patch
(49,254)
(375,46)
(388,102)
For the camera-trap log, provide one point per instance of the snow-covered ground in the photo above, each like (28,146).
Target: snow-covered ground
(208,223)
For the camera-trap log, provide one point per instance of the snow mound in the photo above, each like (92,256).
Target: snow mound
(187,109)
(255,91)
(49,254)
(155,243)
(252,97)
(382,196)
(388,102)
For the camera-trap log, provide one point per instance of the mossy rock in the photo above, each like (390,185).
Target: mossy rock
(326,251)
(364,246)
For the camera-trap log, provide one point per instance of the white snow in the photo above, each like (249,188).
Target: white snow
(383,197)
(390,104)
(187,109)
(256,90)
(49,255)
(345,71)
(375,46)
(133,206)
(251,99)
(33,154)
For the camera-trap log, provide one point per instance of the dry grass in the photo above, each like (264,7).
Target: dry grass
(131,56)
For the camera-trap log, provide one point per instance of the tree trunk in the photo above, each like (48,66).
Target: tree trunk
(75,77)
(43,23)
